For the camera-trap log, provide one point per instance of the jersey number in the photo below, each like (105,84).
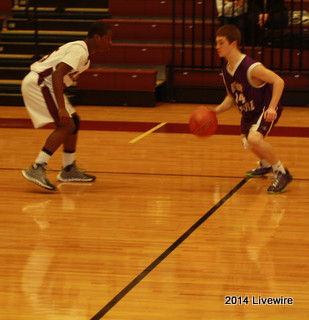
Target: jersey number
(239,97)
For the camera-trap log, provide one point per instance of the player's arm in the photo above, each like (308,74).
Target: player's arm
(57,78)
(226,104)
(259,75)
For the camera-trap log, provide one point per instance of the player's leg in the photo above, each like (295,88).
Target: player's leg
(261,148)
(257,130)
(264,165)
(59,136)
(39,114)
(254,130)
(266,153)
(250,130)
(36,172)
(42,110)
(69,171)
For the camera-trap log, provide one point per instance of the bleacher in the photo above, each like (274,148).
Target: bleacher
(162,50)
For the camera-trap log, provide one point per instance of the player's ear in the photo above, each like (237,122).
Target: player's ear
(235,43)
(97,37)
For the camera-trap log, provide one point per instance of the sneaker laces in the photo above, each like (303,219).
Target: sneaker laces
(75,169)
(276,179)
(73,165)
(42,165)
(79,171)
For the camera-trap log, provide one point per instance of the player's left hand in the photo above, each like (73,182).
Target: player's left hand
(270,115)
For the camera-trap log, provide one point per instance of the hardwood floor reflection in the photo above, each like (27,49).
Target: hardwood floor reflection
(129,245)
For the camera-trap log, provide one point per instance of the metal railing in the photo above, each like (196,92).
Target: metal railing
(195,23)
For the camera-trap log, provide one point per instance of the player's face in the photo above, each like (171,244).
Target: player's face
(223,46)
(104,43)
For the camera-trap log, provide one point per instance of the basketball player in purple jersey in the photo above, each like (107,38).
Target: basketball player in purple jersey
(256,91)
(42,91)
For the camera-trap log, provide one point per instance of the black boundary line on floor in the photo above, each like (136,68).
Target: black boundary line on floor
(169,250)
(161,174)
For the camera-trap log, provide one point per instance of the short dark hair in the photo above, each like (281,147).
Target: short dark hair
(231,32)
(99,27)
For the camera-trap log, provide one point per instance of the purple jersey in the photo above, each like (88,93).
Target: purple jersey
(248,98)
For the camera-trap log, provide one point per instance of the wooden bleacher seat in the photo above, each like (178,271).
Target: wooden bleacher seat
(118,79)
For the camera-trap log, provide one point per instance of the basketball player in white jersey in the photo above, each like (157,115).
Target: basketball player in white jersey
(43,95)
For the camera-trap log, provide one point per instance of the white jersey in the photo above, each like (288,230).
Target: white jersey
(75,54)
(42,106)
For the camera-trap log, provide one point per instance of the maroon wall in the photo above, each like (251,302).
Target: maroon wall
(5,6)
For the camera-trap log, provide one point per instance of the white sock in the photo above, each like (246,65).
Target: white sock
(264,164)
(42,157)
(67,158)
(278,167)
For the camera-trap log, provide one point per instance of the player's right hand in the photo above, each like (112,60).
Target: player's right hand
(63,116)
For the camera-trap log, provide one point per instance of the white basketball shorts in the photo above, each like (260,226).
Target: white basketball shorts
(39,108)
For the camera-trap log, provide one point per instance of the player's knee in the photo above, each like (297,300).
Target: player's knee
(254,139)
(76,121)
(68,128)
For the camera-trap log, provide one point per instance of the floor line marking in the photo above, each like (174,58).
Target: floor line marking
(166,253)
(141,136)
(137,126)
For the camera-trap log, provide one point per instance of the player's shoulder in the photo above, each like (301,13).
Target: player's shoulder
(249,64)
(76,45)
(248,61)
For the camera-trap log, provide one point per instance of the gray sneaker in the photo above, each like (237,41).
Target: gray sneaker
(36,174)
(73,173)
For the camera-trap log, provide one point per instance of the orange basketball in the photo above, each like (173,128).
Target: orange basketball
(203,122)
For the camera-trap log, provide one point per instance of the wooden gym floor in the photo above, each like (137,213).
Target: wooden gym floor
(170,230)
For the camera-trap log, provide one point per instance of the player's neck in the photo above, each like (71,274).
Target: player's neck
(90,45)
(233,58)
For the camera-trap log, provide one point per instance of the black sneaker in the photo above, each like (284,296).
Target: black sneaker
(259,171)
(36,174)
(280,182)
(73,173)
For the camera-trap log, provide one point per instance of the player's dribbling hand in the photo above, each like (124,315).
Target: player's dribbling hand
(270,115)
